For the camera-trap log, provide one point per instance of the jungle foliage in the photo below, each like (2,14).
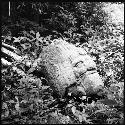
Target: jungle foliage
(32,25)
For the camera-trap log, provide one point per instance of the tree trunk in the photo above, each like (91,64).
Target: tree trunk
(13,13)
(5,8)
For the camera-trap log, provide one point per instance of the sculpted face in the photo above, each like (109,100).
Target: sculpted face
(85,69)
(63,63)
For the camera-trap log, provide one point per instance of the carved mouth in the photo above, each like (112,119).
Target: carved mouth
(91,72)
(88,73)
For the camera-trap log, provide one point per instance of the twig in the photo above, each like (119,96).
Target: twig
(8,46)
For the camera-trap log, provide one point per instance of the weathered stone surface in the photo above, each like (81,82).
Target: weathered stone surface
(62,63)
(92,83)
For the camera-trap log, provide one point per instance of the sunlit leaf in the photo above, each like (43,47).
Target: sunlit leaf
(6,113)
(17,104)
(32,32)
(23,101)
(37,35)
(4,105)
(73,109)
(80,118)
(45,87)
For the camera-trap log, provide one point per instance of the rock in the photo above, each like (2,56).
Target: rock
(62,63)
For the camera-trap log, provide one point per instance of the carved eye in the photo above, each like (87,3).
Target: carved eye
(79,68)
(78,64)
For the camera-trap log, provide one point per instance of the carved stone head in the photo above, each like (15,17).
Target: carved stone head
(63,64)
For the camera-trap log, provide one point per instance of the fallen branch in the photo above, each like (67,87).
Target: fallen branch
(8,46)
(15,56)
(5,62)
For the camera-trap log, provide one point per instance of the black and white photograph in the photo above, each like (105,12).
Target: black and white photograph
(62,62)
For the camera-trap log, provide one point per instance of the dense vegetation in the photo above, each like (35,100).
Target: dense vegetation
(31,26)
